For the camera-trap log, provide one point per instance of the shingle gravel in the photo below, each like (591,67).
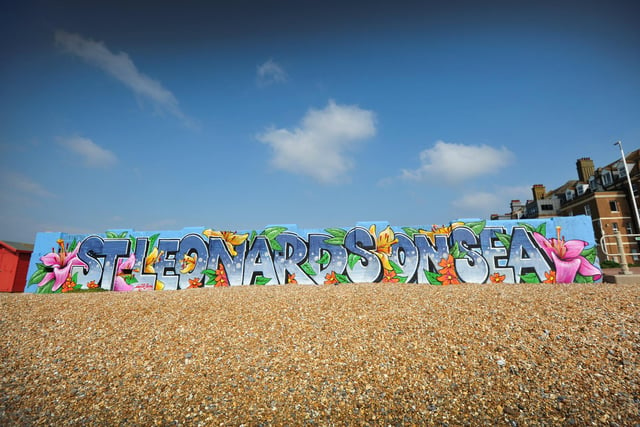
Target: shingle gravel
(364,354)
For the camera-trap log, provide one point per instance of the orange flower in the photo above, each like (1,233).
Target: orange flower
(92,284)
(550,277)
(390,277)
(68,285)
(497,278)
(384,240)
(331,279)
(448,264)
(449,278)
(221,277)
(291,278)
(194,283)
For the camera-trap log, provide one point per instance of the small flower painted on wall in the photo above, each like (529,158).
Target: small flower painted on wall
(195,283)
(331,279)
(497,278)
(448,275)
(216,278)
(549,277)
(390,276)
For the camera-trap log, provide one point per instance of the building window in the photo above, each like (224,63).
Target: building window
(615,226)
(546,207)
(606,178)
(613,204)
(587,210)
(629,228)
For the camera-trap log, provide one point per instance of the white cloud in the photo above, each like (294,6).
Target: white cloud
(92,154)
(122,68)
(458,162)
(482,204)
(271,72)
(17,183)
(318,147)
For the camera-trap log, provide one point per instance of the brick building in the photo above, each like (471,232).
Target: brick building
(601,193)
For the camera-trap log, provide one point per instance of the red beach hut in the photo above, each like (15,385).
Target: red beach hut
(14,263)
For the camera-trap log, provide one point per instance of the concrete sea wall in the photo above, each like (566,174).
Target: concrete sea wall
(545,250)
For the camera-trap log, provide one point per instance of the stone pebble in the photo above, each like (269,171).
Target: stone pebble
(359,354)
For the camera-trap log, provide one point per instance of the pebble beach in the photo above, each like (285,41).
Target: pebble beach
(361,354)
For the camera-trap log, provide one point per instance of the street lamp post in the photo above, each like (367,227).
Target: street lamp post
(633,197)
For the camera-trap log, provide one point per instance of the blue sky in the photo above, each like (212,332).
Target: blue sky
(235,116)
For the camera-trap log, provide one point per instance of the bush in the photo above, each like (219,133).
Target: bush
(609,264)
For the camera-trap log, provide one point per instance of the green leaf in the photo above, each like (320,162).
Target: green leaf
(456,252)
(589,254)
(152,242)
(47,287)
(275,245)
(74,278)
(477,226)
(73,245)
(306,267)
(542,229)
(336,232)
(252,237)
(261,280)
(211,277)
(530,278)
(335,241)
(530,228)
(209,273)
(130,279)
(133,243)
(402,279)
(432,277)
(110,235)
(273,232)
(583,279)
(324,259)
(505,239)
(395,267)
(352,260)
(342,278)
(38,275)
(410,231)
(122,235)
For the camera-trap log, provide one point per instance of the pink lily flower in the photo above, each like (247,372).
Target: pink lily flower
(61,263)
(119,284)
(566,257)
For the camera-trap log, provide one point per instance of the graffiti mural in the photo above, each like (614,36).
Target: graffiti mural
(550,250)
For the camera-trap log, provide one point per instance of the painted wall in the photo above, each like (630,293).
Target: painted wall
(549,250)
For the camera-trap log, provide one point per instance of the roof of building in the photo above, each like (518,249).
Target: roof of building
(17,246)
